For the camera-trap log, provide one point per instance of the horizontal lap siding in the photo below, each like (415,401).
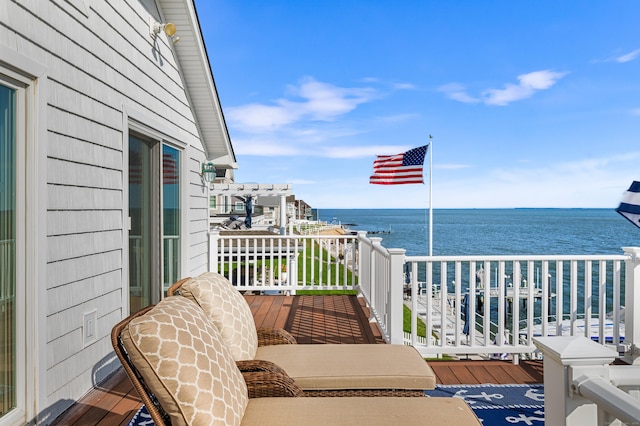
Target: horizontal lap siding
(99,59)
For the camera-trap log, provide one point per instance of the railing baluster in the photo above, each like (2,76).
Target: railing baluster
(602,300)
(559,297)
(588,299)
(616,302)
(545,282)
(457,302)
(573,299)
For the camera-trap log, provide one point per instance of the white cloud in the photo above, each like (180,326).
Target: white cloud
(458,93)
(399,118)
(361,151)
(528,85)
(451,166)
(629,56)
(302,182)
(635,111)
(581,183)
(308,100)
(404,86)
(269,147)
(311,118)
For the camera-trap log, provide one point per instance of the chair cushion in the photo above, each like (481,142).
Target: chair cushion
(227,309)
(359,411)
(184,362)
(344,366)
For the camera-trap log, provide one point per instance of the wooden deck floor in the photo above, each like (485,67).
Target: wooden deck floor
(311,319)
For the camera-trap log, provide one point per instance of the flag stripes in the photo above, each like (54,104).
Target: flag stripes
(630,205)
(405,168)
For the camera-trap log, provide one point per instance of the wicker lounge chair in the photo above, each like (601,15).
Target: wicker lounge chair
(184,373)
(320,370)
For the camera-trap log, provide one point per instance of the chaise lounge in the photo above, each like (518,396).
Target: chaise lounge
(320,370)
(185,375)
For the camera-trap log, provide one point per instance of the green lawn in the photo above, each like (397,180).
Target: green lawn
(422,327)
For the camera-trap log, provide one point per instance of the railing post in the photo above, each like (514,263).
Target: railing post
(561,405)
(631,300)
(214,236)
(375,241)
(396,297)
(283,214)
(293,273)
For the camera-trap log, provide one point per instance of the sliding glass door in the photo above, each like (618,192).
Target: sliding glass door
(154,220)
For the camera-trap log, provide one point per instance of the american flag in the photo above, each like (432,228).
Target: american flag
(630,205)
(399,169)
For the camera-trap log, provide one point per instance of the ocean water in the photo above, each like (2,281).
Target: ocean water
(493,231)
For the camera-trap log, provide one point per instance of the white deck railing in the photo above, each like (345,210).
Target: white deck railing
(287,263)
(498,304)
(510,299)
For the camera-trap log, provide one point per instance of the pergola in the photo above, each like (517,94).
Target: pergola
(255,190)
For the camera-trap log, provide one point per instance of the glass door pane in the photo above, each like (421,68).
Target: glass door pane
(170,215)
(7,249)
(140,224)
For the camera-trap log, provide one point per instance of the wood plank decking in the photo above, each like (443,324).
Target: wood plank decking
(310,319)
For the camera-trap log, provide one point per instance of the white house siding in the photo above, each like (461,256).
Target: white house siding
(102,66)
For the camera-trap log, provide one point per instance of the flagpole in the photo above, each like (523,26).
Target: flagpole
(430,195)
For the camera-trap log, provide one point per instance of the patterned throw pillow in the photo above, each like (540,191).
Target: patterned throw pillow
(185,363)
(227,309)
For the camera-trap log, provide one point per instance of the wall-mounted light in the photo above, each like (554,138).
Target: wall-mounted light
(208,171)
(169,29)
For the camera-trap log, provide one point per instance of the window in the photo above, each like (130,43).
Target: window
(239,206)
(213,201)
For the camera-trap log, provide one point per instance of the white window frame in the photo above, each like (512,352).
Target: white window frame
(29,79)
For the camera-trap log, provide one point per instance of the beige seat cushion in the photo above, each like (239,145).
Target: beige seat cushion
(359,411)
(227,309)
(323,367)
(185,363)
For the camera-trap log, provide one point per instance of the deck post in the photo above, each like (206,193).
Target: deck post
(562,406)
(283,214)
(364,270)
(632,299)
(214,237)
(396,296)
(375,241)
(293,273)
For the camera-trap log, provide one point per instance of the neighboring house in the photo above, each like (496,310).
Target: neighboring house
(104,125)
(303,210)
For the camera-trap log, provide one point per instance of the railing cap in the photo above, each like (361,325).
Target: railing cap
(574,350)
(633,251)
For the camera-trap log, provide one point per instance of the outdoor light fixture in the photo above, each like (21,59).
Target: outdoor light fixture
(168,28)
(208,171)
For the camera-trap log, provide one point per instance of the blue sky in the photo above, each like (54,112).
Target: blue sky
(530,103)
